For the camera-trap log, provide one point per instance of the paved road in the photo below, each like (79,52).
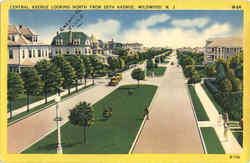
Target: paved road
(172,127)
(23,134)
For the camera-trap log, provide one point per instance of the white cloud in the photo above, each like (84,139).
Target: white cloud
(197,22)
(103,29)
(152,20)
(143,31)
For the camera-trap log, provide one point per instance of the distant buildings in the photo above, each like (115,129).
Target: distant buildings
(216,48)
(24,48)
(134,46)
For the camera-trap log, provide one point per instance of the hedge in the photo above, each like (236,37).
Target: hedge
(211,87)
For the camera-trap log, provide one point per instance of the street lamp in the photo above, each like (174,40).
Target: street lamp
(58,119)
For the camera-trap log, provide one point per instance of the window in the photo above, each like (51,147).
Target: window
(30,54)
(23,54)
(39,53)
(67,51)
(34,53)
(11,54)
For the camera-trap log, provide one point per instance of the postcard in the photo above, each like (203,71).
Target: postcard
(124,81)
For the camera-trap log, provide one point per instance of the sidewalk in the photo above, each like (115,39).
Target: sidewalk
(230,146)
(37,103)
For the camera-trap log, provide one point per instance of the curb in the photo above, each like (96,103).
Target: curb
(142,125)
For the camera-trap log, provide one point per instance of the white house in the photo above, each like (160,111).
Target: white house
(24,48)
(216,48)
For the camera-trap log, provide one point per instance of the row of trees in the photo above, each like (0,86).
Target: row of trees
(188,64)
(124,59)
(51,76)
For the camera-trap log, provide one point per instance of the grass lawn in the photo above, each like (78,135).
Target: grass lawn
(158,71)
(22,99)
(112,136)
(198,107)
(217,106)
(211,140)
(40,107)
(239,137)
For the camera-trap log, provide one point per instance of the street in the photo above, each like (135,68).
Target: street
(172,127)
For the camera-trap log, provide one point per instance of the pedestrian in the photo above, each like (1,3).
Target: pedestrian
(146,113)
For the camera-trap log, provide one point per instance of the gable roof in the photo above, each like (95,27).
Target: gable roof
(66,36)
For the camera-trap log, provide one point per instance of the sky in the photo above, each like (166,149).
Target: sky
(171,28)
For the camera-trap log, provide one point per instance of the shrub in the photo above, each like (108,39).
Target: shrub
(221,75)
(236,83)
(189,70)
(225,85)
(211,87)
(130,92)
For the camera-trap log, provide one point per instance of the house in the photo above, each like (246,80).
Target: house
(24,48)
(223,47)
(71,43)
(134,46)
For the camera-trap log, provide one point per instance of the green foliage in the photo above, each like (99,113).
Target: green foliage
(15,88)
(138,74)
(114,63)
(78,66)
(189,70)
(50,76)
(157,60)
(211,87)
(32,83)
(239,71)
(82,115)
(236,84)
(211,70)
(225,85)
(195,78)
(150,64)
(68,72)
(220,75)
(15,85)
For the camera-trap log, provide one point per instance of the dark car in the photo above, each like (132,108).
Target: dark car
(111,74)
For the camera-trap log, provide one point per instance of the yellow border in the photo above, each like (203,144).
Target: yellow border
(185,158)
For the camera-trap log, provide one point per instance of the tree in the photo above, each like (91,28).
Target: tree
(96,67)
(88,67)
(236,83)
(15,88)
(32,83)
(210,70)
(82,115)
(114,63)
(157,60)
(122,63)
(189,70)
(68,72)
(138,75)
(150,64)
(226,85)
(50,76)
(78,66)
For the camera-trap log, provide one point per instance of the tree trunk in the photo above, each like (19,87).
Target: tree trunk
(76,85)
(138,83)
(28,102)
(93,80)
(68,90)
(11,106)
(85,135)
(58,91)
(85,81)
(46,97)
